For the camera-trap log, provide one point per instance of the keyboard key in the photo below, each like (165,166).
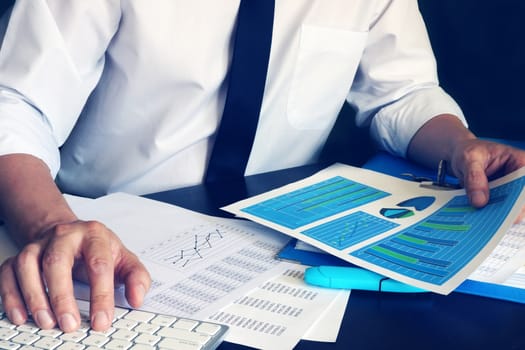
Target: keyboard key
(106,333)
(130,330)
(139,316)
(119,312)
(147,339)
(7,345)
(185,324)
(163,320)
(25,338)
(146,328)
(118,344)
(179,344)
(142,347)
(124,334)
(53,333)
(124,324)
(184,335)
(7,333)
(4,323)
(29,327)
(95,340)
(73,337)
(208,328)
(47,343)
(70,346)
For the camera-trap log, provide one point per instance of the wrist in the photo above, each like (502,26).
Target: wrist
(439,139)
(30,202)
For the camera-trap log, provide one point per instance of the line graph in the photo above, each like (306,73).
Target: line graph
(189,247)
(206,262)
(201,243)
(349,230)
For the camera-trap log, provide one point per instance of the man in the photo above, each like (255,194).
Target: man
(104,95)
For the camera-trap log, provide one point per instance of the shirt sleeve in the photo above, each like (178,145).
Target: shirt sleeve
(52,56)
(396,89)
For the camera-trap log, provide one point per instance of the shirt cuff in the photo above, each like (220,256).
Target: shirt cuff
(395,124)
(23,130)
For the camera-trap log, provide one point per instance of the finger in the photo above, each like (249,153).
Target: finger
(521,216)
(57,264)
(98,259)
(476,184)
(29,277)
(136,278)
(12,301)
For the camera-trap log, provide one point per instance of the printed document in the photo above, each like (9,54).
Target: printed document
(420,234)
(221,269)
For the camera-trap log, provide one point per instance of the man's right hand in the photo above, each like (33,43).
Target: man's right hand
(40,278)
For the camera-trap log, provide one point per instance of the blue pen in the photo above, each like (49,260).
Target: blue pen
(356,278)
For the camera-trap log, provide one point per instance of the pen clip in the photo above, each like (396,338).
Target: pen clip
(439,184)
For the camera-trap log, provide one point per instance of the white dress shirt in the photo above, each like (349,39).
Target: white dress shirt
(126,95)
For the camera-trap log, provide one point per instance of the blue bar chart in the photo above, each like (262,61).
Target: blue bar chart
(430,237)
(315,202)
(436,248)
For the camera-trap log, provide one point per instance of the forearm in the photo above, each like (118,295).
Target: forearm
(437,139)
(30,202)
(38,279)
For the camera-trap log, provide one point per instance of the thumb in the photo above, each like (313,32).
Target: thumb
(476,184)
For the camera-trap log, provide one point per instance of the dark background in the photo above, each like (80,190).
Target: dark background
(480,49)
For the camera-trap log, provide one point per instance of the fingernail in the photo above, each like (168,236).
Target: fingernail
(477,197)
(67,322)
(44,319)
(142,291)
(100,320)
(15,315)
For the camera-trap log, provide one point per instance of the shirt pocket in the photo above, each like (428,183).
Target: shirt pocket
(326,64)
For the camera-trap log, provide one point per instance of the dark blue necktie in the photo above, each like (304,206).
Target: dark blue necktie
(247,77)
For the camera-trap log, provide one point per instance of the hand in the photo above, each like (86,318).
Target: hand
(86,250)
(473,161)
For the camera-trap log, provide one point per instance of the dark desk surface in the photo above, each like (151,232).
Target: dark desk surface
(383,320)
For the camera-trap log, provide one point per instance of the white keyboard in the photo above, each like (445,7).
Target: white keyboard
(131,329)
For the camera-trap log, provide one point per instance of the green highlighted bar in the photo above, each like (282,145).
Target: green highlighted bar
(458,209)
(412,239)
(395,255)
(329,193)
(446,227)
(368,197)
(333,200)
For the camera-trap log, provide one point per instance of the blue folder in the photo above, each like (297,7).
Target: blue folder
(399,167)
(484,289)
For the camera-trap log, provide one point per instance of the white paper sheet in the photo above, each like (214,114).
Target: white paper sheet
(198,263)
(205,266)
(281,312)
(431,238)
(185,253)
(506,259)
